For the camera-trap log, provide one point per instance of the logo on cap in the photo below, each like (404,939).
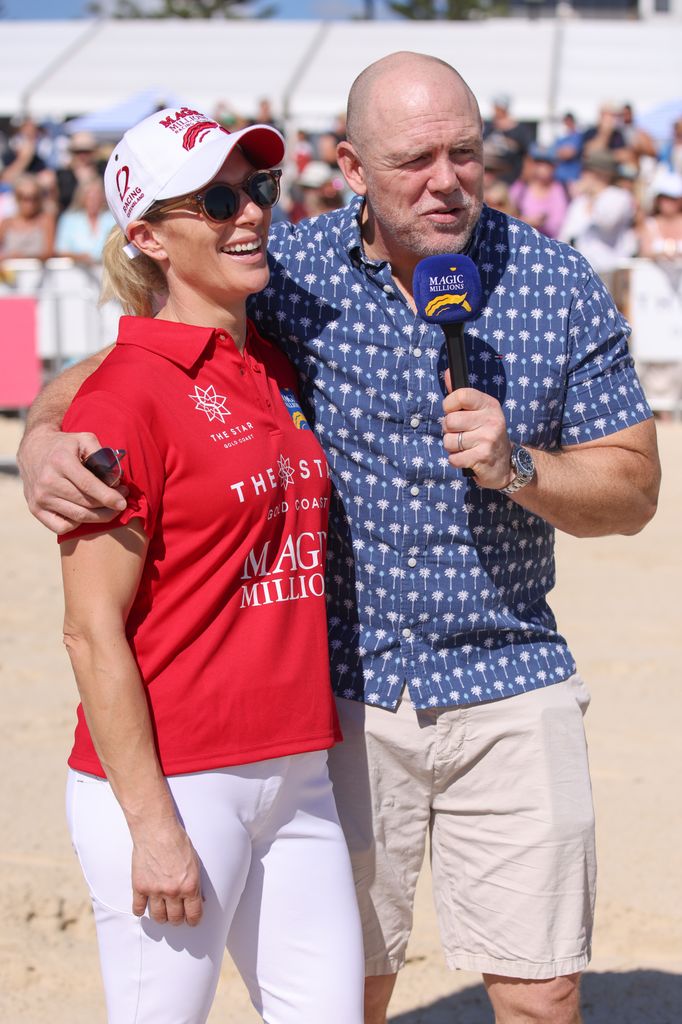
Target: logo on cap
(198,132)
(197,129)
(122,188)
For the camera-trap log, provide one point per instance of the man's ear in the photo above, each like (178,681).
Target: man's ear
(351,167)
(144,235)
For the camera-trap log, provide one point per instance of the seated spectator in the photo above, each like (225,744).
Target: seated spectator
(318,189)
(228,117)
(506,139)
(541,201)
(28,234)
(496,195)
(21,155)
(617,133)
(660,235)
(638,143)
(265,115)
(607,135)
(599,220)
(660,238)
(328,141)
(568,149)
(303,150)
(83,229)
(83,165)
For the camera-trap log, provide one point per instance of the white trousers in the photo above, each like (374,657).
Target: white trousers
(278,894)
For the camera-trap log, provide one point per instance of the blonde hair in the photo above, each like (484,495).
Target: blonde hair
(135,283)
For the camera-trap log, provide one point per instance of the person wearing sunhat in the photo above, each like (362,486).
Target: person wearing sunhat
(198,797)
(318,189)
(540,199)
(660,235)
(660,238)
(600,217)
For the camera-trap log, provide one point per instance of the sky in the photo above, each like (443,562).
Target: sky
(58,9)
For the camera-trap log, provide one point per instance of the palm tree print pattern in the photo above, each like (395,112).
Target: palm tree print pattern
(432,581)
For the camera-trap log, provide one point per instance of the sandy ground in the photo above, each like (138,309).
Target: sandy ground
(618,602)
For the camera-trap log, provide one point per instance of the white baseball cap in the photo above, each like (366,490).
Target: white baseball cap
(174,152)
(667,183)
(315,174)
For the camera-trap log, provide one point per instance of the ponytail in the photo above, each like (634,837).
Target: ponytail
(135,283)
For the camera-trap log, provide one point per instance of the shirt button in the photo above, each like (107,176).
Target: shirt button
(414,490)
(407,633)
(415,421)
(388,289)
(411,562)
(417,352)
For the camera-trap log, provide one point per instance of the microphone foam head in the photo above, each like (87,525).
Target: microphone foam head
(447,289)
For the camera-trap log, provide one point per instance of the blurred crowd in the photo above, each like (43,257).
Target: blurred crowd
(609,188)
(52,199)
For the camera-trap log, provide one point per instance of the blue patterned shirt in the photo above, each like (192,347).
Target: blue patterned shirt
(431,580)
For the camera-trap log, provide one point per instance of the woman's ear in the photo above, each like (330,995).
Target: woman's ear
(146,237)
(351,167)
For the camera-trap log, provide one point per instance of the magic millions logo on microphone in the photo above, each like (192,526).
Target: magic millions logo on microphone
(446,288)
(442,287)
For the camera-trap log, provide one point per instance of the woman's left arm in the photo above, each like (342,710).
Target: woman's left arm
(101,574)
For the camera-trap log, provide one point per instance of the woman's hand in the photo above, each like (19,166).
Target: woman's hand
(166,874)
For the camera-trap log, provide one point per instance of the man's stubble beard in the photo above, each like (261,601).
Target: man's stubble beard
(441,239)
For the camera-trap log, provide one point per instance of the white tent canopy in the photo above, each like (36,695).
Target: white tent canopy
(305,67)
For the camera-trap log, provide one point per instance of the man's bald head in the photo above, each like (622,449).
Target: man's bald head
(378,85)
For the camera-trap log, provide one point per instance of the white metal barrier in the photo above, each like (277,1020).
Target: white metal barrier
(652,302)
(71,325)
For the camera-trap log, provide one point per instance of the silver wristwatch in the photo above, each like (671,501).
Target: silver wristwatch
(524,468)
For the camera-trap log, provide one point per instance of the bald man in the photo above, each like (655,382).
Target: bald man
(460,703)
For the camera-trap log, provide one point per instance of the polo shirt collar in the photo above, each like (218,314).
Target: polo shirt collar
(351,235)
(182,344)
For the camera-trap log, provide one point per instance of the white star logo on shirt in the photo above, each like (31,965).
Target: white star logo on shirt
(286,473)
(211,403)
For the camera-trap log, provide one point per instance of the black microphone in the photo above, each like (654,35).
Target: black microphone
(447,291)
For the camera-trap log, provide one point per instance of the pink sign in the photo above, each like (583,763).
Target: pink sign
(19,365)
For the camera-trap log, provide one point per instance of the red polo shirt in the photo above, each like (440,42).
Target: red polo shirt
(228,626)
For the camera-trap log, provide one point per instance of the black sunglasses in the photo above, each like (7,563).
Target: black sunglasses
(105,463)
(220,202)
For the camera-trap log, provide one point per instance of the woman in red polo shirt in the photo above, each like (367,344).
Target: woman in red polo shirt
(198,797)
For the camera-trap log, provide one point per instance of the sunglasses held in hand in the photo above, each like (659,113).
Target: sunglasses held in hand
(105,463)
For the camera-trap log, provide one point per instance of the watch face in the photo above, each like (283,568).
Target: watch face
(524,462)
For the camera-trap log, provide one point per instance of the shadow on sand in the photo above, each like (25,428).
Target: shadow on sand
(633,997)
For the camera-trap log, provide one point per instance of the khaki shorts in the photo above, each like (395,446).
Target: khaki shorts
(503,789)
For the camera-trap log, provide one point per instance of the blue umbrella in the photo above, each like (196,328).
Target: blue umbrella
(112,122)
(659,120)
